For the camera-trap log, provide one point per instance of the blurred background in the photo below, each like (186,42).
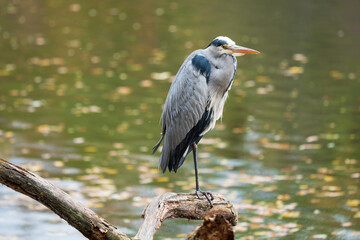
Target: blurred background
(82,85)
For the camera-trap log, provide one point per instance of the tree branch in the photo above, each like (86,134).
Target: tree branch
(182,205)
(80,217)
(94,227)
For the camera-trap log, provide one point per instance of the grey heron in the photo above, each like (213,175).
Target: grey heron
(195,102)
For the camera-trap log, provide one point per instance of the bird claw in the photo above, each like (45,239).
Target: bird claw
(206,194)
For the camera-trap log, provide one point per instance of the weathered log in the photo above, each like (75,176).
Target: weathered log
(80,217)
(182,205)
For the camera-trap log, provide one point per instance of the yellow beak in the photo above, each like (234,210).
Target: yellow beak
(243,50)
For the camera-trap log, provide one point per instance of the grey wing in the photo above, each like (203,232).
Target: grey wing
(184,109)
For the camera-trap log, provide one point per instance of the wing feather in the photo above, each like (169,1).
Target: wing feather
(184,107)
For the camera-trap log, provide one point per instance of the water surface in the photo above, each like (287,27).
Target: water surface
(82,88)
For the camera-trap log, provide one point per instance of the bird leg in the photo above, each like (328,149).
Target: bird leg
(197,191)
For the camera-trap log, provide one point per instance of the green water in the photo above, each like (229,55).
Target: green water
(81,91)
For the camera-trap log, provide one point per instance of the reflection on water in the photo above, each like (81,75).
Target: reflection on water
(82,85)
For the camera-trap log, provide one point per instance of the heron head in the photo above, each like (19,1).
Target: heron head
(224,45)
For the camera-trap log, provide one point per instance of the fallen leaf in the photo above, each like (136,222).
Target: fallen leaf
(123,90)
(353,202)
(90,149)
(292,214)
(319,236)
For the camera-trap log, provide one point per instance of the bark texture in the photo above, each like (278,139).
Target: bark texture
(183,205)
(213,228)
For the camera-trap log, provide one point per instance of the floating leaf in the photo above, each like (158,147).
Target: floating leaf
(97,205)
(329,178)
(160,76)
(312,139)
(357,215)
(146,83)
(181,235)
(346,224)
(122,127)
(75,7)
(90,149)
(293,214)
(330,194)
(280,146)
(309,146)
(262,78)
(162,179)
(123,90)
(97,71)
(319,236)
(293,71)
(238,130)
(355,175)
(58,163)
(47,129)
(78,140)
(269,188)
(121,196)
(336,74)
(331,188)
(300,57)
(129,167)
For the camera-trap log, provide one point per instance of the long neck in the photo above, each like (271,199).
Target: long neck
(222,75)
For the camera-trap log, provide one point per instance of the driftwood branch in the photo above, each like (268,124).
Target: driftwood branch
(183,205)
(92,226)
(80,217)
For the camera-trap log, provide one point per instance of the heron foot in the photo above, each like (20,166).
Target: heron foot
(206,194)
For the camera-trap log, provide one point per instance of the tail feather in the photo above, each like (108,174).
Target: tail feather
(164,160)
(158,144)
(175,157)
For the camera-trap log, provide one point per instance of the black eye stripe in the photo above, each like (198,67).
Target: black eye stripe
(218,43)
